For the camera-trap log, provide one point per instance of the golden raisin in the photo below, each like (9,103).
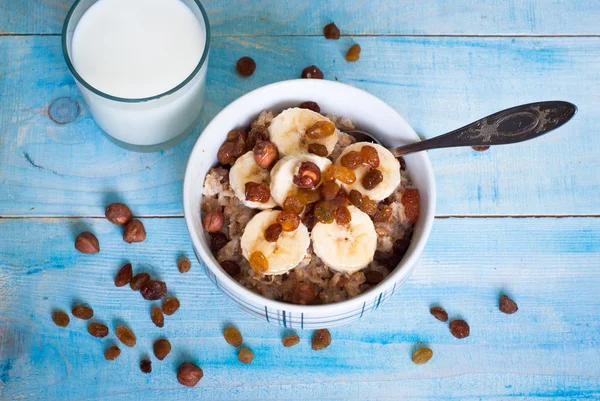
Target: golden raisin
(353,53)
(255,192)
(352,160)
(307,196)
(61,318)
(345,175)
(233,336)
(422,355)
(258,262)
(293,204)
(324,212)
(329,190)
(184,265)
(329,173)
(157,316)
(318,149)
(112,353)
(373,178)
(383,215)
(355,198)
(170,305)
(321,340)
(342,215)
(82,312)
(370,156)
(291,340)
(273,232)
(246,356)
(321,129)
(126,336)
(369,206)
(161,348)
(410,200)
(97,330)
(289,220)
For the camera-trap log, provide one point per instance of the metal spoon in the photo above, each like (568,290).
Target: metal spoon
(513,125)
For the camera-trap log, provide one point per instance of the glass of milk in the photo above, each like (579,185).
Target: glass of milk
(140,66)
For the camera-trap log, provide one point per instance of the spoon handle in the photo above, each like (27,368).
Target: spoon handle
(513,125)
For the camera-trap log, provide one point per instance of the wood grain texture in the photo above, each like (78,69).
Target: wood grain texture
(437,84)
(291,17)
(548,349)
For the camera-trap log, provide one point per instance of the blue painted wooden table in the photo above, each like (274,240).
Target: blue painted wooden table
(522,220)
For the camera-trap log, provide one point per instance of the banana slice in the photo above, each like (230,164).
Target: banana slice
(246,170)
(282,174)
(388,165)
(287,131)
(282,255)
(346,248)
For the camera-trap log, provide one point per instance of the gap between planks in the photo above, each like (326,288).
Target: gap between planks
(408,35)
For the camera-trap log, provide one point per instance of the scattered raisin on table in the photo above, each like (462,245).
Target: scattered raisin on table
(273,232)
(123,276)
(125,335)
(98,330)
(352,160)
(342,215)
(370,156)
(353,53)
(233,336)
(112,353)
(321,340)
(312,72)
(246,356)
(82,312)
(318,149)
(231,267)
(303,294)
(422,355)
(373,277)
(331,31)
(157,316)
(138,281)
(153,290)
(146,366)
(189,374)
(170,305)
(184,265)
(161,348)
(61,318)
(310,106)
(257,192)
(291,340)
(507,305)
(410,200)
(459,328)
(439,313)
(320,130)
(245,66)
(293,204)
(373,178)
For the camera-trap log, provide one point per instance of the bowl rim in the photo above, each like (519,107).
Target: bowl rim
(398,275)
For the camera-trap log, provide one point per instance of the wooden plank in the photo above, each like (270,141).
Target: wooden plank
(413,17)
(438,84)
(547,350)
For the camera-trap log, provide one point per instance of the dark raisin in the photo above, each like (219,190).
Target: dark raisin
(138,281)
(240,144)
(401,246)
(123,276)
(231,267)
(112,353)
(225,154)
(459,328)
(257,134)
(291,340)
(312,72)
(189,374)
(318,149)
(507,305)
(331,31)
(402,163)
(153,290)
(329,190)
(61,318)
(273,232)
(342,197)
(161,348)
(410,201)
(217,242)
(170,305)
(352,160)
(157,316)
(373,277)
(125,335)
(184,265)
(255,192)
(245,66)
(309,219)
(439,313)
(98,330)
(246,356)
(146,366)
(233,336)
(355,198)
(303,294)
(373,178)
(82,312)
(311,106)
(321,340)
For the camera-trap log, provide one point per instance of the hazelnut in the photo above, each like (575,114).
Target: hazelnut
(308,175)
(118,213)
(134,232)
(303,294)
(189,374)
(225,154)
(87,242)
(265,153)
(312,72)
(213,221)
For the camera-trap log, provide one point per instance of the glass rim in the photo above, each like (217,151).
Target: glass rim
(133,100)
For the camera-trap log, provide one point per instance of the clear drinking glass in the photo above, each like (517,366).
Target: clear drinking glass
(145,124)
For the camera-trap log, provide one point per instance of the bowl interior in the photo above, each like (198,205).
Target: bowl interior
(366,111)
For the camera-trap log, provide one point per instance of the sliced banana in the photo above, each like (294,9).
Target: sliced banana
(282,174)
(246,170)
(346,248)
(282,255)
(388,165)
(288,128)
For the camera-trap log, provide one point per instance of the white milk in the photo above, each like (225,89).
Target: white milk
(137,49)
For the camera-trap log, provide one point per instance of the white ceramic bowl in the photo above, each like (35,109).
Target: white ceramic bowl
(369,114)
